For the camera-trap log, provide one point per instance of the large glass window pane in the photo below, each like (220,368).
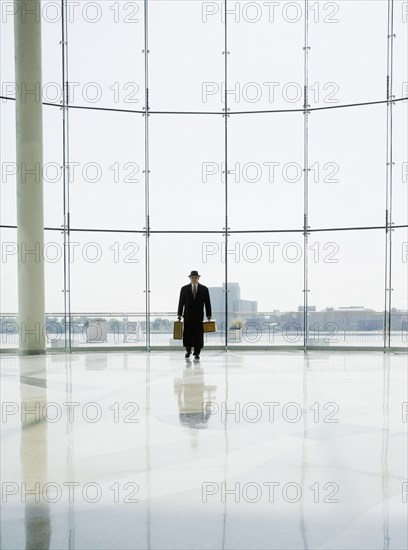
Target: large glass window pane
(52,163)
(186,63)
(265,60)
(265,278)
(8,192)
(54,288)
(399,284)
(265,181)
(7,74)
(53,256)
(400,114)
(53,167)
(400,167)
(346,283)
(172,259)
(51,43)
(347,161)
(106,170)
(400,49)
(348,54)
(8,288)
(173,256)
(186,189)
(107,288)
(106,62)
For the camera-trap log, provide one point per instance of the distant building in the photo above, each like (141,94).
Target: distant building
(343,318)
(237,309)
(249,307)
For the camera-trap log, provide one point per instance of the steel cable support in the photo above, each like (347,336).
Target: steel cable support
(147,173)
(388,179)
(226,110)
(221,113)
(306,113)
(65,176)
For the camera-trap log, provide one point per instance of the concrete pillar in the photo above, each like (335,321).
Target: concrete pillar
(30,210)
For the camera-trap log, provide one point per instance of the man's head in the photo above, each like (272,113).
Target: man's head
(194,277)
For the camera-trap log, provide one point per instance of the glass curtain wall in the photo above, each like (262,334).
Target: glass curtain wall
(262,143)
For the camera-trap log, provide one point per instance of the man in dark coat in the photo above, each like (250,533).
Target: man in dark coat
(193,298)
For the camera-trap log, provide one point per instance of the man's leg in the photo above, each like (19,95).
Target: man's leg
(197,353)
(188,352)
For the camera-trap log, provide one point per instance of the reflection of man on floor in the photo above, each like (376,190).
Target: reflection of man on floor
(193,396)
(193,298)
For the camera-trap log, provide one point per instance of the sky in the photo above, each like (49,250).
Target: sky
(347,64)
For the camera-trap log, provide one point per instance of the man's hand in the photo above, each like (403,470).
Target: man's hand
(179,317)
(208,318)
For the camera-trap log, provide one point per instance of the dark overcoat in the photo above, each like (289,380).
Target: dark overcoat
(193,312)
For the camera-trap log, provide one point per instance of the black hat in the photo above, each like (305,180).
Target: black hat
(194,274)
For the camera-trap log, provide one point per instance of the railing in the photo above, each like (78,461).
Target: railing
(247,329)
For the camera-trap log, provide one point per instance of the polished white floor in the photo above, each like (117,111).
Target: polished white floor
(243,450)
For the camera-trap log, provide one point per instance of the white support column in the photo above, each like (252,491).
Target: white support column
(30,210)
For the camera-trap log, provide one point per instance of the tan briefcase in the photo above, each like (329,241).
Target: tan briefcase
(178,330)
(209,326)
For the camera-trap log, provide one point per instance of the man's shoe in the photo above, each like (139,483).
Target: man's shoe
(196,357)
(187,355)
